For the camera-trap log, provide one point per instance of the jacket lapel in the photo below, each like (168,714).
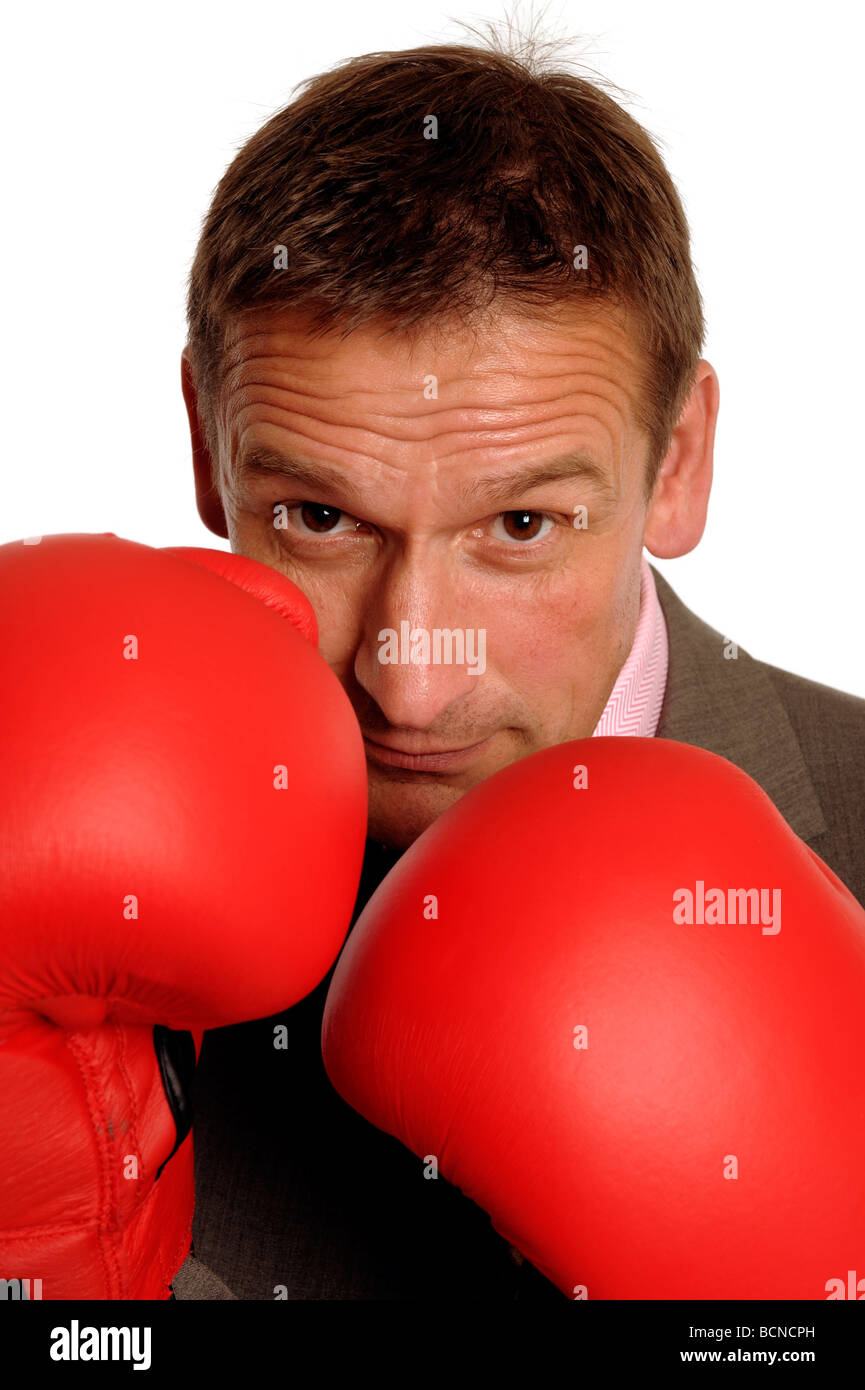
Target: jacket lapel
(730,707)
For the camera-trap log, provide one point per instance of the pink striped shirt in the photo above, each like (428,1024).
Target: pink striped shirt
(634,706)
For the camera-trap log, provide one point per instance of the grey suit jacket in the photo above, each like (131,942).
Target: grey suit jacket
(298,1197)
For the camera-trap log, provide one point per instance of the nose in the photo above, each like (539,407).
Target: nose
(417,656)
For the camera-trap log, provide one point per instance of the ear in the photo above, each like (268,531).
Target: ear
(207,496)
(676,516)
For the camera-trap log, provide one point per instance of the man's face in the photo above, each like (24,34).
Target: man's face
(451,503)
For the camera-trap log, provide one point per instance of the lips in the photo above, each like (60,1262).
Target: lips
(432,760)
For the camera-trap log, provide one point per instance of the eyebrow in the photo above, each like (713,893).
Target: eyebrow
(577,465)
(261,461)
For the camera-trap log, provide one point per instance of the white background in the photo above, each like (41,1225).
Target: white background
(119,123)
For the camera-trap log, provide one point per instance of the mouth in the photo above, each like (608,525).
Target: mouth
(431,760)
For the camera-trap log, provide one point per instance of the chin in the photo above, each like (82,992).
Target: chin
(400,811)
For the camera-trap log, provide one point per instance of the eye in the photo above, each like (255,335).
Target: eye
(522,526)
(317,519)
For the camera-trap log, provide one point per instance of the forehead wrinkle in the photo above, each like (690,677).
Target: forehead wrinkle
(487,420)
(579,379)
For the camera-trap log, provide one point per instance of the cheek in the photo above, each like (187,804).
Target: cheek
(570,635)
(340,621)
(552,619)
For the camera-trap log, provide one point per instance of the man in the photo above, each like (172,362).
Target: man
(444,372)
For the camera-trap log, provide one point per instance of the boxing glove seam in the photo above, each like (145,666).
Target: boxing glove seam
(107,1224)
(133,1131)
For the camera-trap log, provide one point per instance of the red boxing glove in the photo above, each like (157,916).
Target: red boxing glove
(183,821)
(646,1073)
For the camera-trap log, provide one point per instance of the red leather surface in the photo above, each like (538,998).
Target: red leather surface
(605,1165)
(156,866)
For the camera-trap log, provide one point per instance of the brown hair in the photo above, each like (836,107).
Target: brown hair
(381,223)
